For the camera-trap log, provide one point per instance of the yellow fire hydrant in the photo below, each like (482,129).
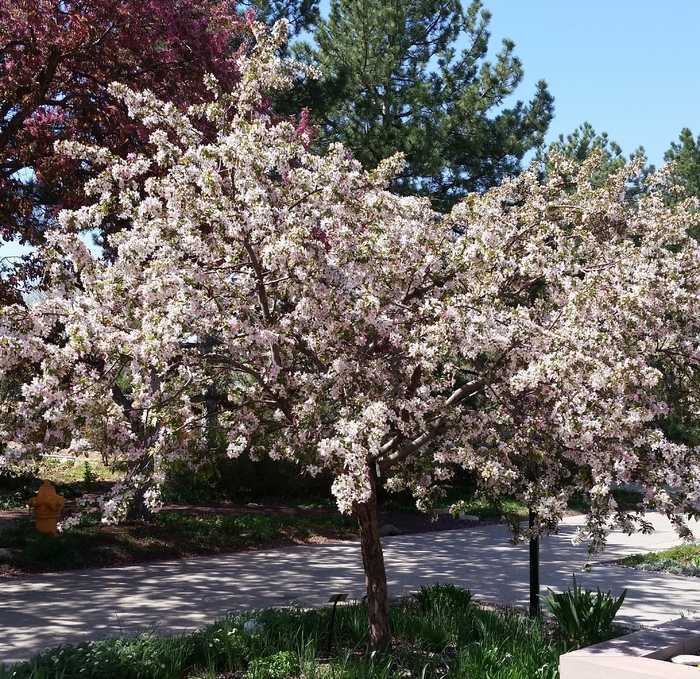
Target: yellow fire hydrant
(48,508)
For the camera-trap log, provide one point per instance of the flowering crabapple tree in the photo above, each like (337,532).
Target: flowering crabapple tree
(353,330)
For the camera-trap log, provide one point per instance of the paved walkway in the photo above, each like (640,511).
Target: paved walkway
(175,596)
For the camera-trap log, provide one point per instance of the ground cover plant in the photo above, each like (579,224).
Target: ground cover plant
(681,560)
(170,534)
(439,632)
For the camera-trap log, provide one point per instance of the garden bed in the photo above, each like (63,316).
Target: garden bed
(437,632)
(186,531)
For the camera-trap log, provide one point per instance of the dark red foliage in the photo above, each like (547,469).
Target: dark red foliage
(57,59)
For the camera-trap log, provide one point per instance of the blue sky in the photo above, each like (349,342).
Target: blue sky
(628,67)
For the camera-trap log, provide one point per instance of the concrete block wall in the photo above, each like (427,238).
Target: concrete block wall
(640,655)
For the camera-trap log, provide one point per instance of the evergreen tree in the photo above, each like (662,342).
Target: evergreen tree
(685,153)
(302,15)
(582,142)
(393,80)
(579,144)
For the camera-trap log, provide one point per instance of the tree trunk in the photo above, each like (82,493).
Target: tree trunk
(139,510)
(375,573)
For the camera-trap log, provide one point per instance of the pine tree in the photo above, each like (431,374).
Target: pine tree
(302,15)
(685,153)
(393,80)
(582,142)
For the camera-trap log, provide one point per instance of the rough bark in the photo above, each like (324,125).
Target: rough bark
(140,510)
(375,573)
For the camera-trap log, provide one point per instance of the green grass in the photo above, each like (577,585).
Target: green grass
(462,495)
(171,534)
(681,560)
(437,633)
(463,498)
(625,498)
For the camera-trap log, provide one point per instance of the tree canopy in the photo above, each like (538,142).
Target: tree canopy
(685,154)
(394,81)
(57,59)
(580,144)
(351,329)
(301,15)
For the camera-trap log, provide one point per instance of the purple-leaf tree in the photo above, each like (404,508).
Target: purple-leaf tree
(57,58)
(356,331)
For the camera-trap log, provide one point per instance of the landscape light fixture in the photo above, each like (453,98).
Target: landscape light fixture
(335,598)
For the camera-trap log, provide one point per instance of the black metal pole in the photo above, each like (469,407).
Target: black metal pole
(330,635)
(534,570)
(534,560)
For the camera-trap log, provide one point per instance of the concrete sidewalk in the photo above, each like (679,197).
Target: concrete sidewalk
(172,597)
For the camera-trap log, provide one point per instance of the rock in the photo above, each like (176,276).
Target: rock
(6,553)
(467,517)
(387,529)
(253,626)
(693,660)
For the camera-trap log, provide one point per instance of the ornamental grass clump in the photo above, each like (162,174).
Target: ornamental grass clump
(584,617)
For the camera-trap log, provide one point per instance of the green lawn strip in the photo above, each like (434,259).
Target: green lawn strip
(171,534)
(507,507)
(493,512)
(437,633)
(71,477)
(463,498)
(680,560)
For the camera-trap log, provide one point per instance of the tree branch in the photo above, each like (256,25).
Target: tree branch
(402,447)
(262,296)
